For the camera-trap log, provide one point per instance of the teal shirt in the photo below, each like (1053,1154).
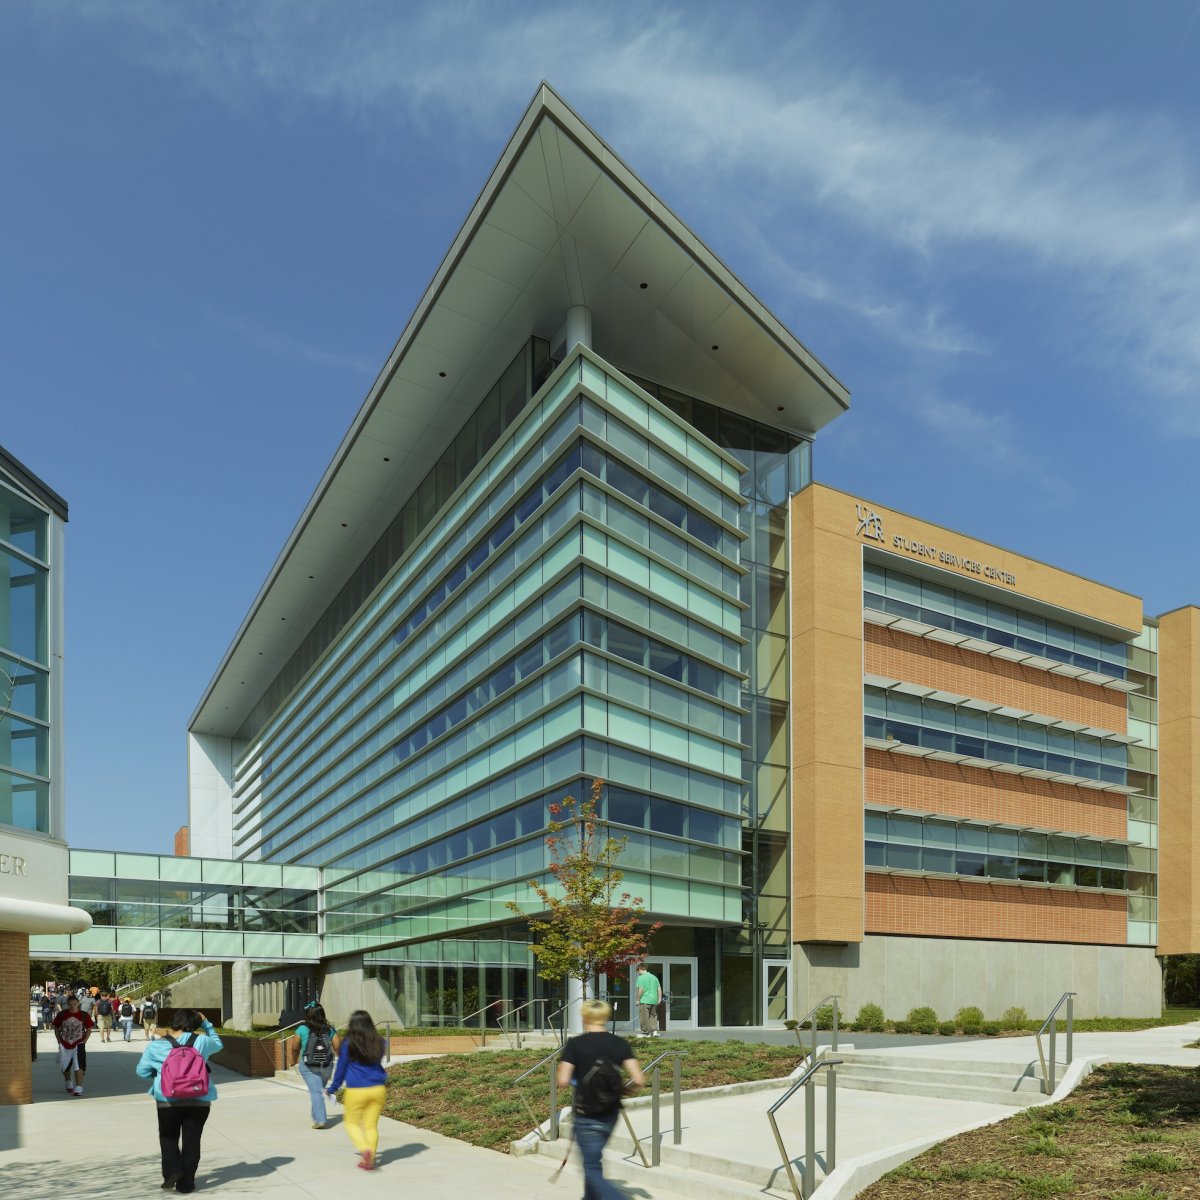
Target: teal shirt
(648,989)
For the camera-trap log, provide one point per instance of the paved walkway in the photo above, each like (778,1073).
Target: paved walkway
(258,1141)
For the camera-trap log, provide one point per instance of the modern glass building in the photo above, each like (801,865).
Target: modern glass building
(33,851)
(552,548)
(573,534)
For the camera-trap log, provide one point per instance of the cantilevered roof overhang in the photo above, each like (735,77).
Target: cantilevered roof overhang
(562,221)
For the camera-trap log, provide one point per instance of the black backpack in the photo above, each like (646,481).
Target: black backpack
(104,1008)
(318,1050)
(127,1010)
(600,1090)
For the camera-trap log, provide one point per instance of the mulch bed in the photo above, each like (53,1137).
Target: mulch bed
(1129,1132)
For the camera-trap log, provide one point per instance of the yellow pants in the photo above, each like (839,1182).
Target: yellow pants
(361,1108)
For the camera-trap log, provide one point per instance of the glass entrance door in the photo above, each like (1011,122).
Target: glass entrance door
(678,979)
(776,991)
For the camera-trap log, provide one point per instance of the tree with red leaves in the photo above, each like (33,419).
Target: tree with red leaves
(589,927)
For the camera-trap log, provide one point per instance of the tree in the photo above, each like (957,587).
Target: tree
(589,926)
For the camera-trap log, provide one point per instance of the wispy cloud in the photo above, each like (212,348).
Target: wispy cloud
(1105,207)
(289,348)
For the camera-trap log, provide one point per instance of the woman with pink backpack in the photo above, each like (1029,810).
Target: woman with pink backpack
(177,1064)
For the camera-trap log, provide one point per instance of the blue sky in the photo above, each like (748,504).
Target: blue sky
(983,218)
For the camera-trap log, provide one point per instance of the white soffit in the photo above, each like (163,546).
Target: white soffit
(561,221)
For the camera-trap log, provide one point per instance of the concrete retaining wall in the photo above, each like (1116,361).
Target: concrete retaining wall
(900,973)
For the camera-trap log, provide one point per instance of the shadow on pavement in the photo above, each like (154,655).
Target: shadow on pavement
(65,1177)
(244,1170)
(396,1153)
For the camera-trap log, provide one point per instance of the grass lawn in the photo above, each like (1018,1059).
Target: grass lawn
(471,1096)
(1129,1132)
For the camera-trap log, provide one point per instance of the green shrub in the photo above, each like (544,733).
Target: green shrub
(823,1017)
(947,1028)
(991,1028)
(923,1020)
(970,1015)
(1014,1018)
(903,1027)
(870,1018)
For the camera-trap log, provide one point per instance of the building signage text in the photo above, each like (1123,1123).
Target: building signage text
(870,525)
(11,864)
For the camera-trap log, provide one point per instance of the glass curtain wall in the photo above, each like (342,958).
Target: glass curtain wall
(24,663)
(777,465)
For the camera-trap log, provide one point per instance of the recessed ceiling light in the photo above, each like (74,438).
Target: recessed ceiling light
(310,577)
(343,524)
(441,374)
(780,408)
(715,346)
(643,286)
(386,459)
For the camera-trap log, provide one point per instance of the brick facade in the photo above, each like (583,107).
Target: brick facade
(900,781)
(16,1068)
(933,664)
(965,909)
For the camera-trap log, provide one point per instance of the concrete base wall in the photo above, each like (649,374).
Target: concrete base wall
(200,990)
(345,988)
(901,973)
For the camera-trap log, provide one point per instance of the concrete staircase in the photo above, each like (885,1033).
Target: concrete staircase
(1016,1084)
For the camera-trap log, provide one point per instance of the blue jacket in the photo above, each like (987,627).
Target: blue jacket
(355,1074)
(155,1054)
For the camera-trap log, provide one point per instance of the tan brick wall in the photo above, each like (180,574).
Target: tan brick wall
(964,909)
(900,781)
(1179,782)
(934,664)
(826,733)
(16,1069)
(827,648)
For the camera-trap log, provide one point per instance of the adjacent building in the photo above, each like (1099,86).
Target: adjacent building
(33,851)
(572,534)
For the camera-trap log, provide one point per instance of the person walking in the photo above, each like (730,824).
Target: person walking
(104,1017)
(593,1061)
(360,1069)
(47,1013)
(180,1121)
(149,1017)
(125,1014)
(649,994)
(72,1028)
(315,1046)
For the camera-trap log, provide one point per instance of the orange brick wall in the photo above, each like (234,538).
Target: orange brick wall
(899,781)
(16,1069)
(934,664)
(182,841)
(965,909)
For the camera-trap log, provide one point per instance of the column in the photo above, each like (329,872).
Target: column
(236,1006)
(16,1068)
(579,326)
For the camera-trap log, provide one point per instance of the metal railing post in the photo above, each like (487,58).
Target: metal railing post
(810,1137)
(835,1024)
(554,1101)
(1070,1029)
(677,1084)
(830,1120)
(388,1027)
(1053,1064)
(655,1148)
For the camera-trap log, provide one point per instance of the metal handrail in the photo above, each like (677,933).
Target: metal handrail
(543,1001)
(479,1013)
(654,1070)
(537,1125)
(1050,1077)
(812,1013)
(802,1191)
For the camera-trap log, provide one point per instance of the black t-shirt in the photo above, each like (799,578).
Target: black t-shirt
(582,1051)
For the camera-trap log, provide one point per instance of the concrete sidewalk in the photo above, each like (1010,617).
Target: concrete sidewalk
(258,1142)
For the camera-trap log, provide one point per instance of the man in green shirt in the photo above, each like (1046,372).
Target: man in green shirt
(649,994)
